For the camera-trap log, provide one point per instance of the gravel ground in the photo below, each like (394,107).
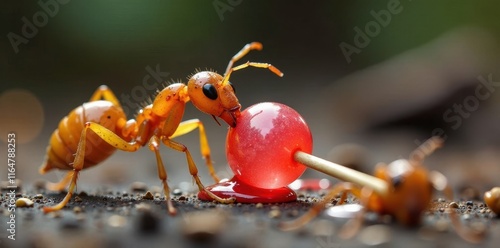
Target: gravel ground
(132,217)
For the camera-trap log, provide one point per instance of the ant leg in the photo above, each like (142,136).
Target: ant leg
(426,149)
(193,170)
(103,92)
(272,68)
(162,174)
(77,166)
(188,126)
(61,184)
(440,183)
(105,134)
(352,226)
(317,208)
(244,51)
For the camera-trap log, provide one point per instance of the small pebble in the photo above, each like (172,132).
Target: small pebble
(259,205)
(77,210)
(117,221)
(182,198)
(83,194)
(453,205)
(78,199)
(148,196)
(24,203)
(177,192)
(138,187)
(469,203)
(274,214)
(38,196)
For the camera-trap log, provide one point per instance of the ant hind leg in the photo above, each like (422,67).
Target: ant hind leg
(343,187)
(59,186)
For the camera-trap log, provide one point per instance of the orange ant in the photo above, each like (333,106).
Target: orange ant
(403,189)
(156,123)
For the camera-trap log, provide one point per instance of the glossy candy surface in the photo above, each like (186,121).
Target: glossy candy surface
(260,148)
(260,152)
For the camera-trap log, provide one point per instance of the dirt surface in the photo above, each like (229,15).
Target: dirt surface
(124,218)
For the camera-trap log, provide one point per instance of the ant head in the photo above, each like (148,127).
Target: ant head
(410,190)
(208,93)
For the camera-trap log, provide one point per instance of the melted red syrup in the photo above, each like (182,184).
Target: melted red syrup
(245,193)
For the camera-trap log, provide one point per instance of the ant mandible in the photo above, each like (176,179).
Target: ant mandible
(72,147)
(403,189)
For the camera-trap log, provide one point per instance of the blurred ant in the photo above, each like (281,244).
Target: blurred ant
(492,199)
(77,142)
(406,192)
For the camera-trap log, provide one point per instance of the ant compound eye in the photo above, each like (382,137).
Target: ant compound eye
(397,181)
(210,91)
(232,86)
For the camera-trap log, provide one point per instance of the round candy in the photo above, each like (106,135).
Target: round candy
(261,147)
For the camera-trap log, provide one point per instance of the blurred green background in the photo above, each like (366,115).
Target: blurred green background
(89,43)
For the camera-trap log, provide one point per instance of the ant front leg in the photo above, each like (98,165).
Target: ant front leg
(352,226)
(154,145)
(426,149)
(343,187)
(193,170)
(188,126)
(106,135)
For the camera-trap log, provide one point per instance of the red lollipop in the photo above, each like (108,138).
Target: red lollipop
(267,150)
(260,148)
